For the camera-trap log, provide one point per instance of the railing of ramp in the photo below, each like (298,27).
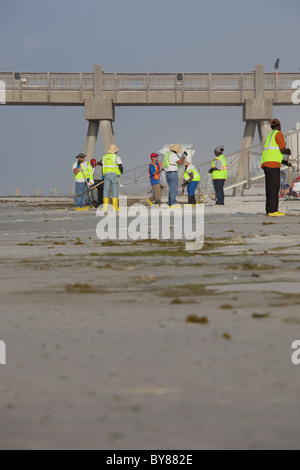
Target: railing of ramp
(144,82)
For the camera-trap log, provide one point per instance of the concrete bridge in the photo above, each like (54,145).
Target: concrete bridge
(100,92)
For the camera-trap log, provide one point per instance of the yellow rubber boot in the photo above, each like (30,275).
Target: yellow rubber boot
(115,203)
(105,204)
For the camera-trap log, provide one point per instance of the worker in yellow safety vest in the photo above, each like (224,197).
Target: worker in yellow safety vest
(272,159)
(112,169)
(219,174)
(81,170)
(191,179)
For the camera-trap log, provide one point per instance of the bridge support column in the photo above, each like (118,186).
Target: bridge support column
(263,131)
(243,164)
(257,112)
(91,139)
(107,132)
(99,113)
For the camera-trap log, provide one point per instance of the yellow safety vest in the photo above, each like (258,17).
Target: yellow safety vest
(167,163)
(80,175)
(221,174)
(110,164)
(271,151)
(196,174)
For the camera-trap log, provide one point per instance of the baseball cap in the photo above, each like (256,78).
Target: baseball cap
(275,122)
(154,155)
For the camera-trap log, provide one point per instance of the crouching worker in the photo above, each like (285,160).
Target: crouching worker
(192,179)
(112,169)
(295,189)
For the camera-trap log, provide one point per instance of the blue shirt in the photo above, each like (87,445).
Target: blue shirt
(152,170)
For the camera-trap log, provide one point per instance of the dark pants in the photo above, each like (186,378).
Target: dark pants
(219,189)
(272,189)
(100,191)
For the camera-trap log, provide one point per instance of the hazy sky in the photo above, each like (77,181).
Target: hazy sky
(38,144)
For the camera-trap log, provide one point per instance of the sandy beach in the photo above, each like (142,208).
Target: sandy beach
(144,345)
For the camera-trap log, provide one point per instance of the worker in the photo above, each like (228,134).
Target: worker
(272,158)
(80,170)
(112,170)
(171,161)
(97,176)
(192,179)
(295,189)
(284,186)
(154,174)
(219,174)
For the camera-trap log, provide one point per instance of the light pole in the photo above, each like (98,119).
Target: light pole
(276,66)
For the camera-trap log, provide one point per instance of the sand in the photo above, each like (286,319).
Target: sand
(100,354)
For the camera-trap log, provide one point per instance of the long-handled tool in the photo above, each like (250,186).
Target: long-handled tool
(92,187)
(95,204)
(290,176)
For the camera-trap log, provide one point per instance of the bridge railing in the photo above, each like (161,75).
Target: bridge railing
(146,82)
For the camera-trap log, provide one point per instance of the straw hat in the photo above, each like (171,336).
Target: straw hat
(113,149)
(176,148)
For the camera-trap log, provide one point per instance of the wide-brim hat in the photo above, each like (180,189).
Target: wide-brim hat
(113,149)
(80,155)
(176,148)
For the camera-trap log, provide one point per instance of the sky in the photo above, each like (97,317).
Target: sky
(38,144)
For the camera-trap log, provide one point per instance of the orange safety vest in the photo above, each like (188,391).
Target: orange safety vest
(156,177)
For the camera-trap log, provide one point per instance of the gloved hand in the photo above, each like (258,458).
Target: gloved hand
(162,169)
(78,166)
(287,152)
(185,154)
(88,180)
(211,170)
(286,163)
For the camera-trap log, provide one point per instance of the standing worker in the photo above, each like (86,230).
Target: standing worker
(191,179)
(219,174)
(80,181)
(112,169)
(98,181)
(170,165)
(272,158)
(154,174)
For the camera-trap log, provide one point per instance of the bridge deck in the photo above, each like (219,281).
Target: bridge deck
(67,89)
